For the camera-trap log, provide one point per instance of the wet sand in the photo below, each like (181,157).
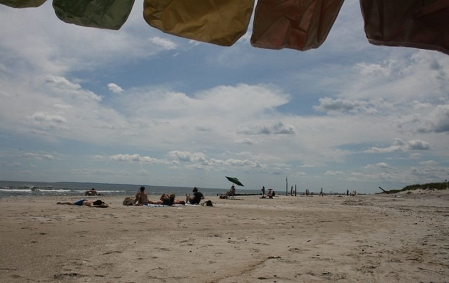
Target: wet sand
(372,238)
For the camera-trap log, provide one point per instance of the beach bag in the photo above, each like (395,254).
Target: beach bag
(408,23)
(220,22)
(22,3)
(105,14)
(128,201)
(294,24)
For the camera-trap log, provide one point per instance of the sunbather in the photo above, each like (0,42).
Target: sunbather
(231,193)
(170,200)
(97,203)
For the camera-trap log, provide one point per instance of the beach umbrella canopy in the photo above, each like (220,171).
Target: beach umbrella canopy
(235,181)
(294,24)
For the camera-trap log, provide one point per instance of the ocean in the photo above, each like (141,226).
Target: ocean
(18,188)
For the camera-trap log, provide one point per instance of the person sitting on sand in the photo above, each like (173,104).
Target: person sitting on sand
(142,197)
(92,192)
(232,191)
(97,203)
(196,198)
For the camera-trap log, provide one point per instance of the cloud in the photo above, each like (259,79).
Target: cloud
(165,43)
(429,163)
(334,173)
(382,165)
(185,156)
(436,121)
(344,106)
(418,145)
(401,146)
(44,121)
(247,141)
(381,70)
(114,88)
(134,158)
(199,160)
(277,129)
(37,156)
(62,86)
(45,117)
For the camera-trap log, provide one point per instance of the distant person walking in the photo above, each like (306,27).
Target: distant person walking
(321,193)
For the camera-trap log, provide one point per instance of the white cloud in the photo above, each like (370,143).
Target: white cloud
(134,158)
(436,121)
(429,163)
(334,173)
(62,86)
(383,70)
(114,88)
(418,145)
(400,146)
(163,42)
(37,156)
(276,129)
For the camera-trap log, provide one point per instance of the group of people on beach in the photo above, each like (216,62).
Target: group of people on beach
(166,199)
(141,198)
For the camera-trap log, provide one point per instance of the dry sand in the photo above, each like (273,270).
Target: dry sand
(374,238)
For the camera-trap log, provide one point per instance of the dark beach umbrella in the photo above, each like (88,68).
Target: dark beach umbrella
(235,181)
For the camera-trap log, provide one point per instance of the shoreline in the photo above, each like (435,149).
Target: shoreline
(369,238)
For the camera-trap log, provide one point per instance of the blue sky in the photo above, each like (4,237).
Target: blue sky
(139,106)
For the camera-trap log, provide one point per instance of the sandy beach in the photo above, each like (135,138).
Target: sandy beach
(372,238)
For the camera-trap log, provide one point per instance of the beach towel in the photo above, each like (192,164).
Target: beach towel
(213,21)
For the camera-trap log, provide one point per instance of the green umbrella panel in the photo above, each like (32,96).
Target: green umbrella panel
(235,181)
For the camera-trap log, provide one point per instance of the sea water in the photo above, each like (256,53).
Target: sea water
(18,188)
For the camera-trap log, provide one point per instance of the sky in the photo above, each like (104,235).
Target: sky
(138,106)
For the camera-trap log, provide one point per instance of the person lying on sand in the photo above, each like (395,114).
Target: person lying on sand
(169,200)
(97,203)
